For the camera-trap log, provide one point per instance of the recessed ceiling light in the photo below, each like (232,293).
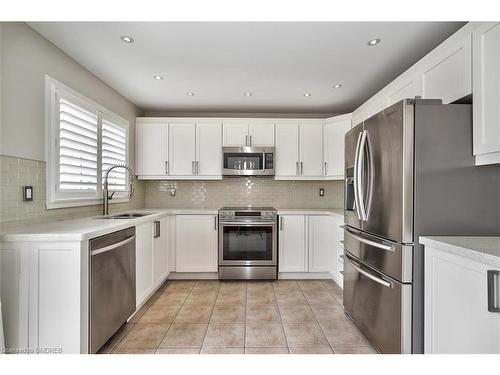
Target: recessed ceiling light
(158,78)
(373,42)
(248,94)
(127,39)
(337,86)
(307,94)
(190,94)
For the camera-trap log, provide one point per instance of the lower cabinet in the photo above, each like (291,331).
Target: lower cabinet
(310,243)
(196,243)
(143,262)
(161,249)
(457,316)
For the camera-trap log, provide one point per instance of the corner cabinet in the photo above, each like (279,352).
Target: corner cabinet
(151,150)
(196,243)
(333,146)
(457,317)
(486,79)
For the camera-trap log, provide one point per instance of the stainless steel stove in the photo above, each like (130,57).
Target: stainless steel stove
(248,243)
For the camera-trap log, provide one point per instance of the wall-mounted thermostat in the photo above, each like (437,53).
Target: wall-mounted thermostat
(27,193)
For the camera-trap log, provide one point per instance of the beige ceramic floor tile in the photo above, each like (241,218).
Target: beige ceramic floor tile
(312,286)
(225,335)
(263,314)
(291,299)
(206,286)
(201,298)
(233,286)
(354,350)
(296,314)
(171,297)
(214,350)
(194,314)
(325,313)
(320,298)
(261,298)
(319,350)
(302,335)
(342,332)
(286,286)
(283,350)
(228,314)
(133,351)
(260,335)
(260,287)
(160,314)
(144,336)
(177,351)
(184,335)
(231,299)
(115,339)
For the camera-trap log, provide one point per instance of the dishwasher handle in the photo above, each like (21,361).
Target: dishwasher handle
(112,247)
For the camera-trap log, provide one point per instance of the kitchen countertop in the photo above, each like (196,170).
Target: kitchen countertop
(482,249)
(90,227)
(311,211)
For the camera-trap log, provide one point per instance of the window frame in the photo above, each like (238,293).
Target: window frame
(55,198)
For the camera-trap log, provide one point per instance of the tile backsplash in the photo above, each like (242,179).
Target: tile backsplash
(242,192)
(16,173)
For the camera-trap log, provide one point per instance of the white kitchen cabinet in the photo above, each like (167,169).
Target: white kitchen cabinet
(292,244)
(311,150)
(182,149)
(456,315)
(322,243)
(287,150)
(248,133)
(486,108)
(143,262)
(448,76)
(338,264)
(208,150)
(409,87)
(333,146)
(151,149)
(161,249)
(196,243)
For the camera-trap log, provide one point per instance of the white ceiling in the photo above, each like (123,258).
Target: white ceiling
(278,61)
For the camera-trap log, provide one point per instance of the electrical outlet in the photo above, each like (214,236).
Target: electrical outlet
(321,192)
(27,193)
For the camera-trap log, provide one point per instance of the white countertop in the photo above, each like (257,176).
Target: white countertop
(482,249)
(89,227)
(311,211)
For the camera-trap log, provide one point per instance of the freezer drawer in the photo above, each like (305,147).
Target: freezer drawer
(378,305)
(391,258)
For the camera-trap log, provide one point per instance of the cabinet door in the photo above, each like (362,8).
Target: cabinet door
(261,135)
(182,149)
(449,76)
(235,134)
(486,78)
(209,149)
(322,238)
(292,244)
(287,150)
(456,316)
(408,88)
(143,261)
(334,134)
(151,149)
(160,249)
(311,150)
(196,243)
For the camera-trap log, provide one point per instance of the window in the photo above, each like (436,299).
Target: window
(84,141)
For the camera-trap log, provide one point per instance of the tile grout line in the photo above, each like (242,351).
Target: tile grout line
(281,320)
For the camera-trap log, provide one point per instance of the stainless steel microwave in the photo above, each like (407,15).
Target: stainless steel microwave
(248,161)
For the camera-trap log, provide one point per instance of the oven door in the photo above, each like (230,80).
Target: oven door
(247,244)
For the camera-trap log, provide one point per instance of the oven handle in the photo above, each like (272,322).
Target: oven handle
(367,274)
(247,223)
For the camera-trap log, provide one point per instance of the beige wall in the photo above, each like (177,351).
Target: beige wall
(25,59)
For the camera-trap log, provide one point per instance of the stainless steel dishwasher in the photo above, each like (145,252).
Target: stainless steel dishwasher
(112,285)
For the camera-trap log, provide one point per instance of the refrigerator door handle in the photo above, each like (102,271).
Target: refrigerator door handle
(359,170)
(355,179)
(370,166)
(369,242)
(378,280)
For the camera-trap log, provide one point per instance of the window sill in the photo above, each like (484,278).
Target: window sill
(83,203)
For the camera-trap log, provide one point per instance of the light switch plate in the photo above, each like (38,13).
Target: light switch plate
(27,193)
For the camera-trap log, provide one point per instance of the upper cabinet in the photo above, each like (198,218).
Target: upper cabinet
(182,149)
(208,149)
(333,146)
(299,150)
(486,78)
(151,149)
(248,133)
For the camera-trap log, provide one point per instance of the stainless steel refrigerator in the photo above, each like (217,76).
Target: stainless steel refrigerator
(409,172)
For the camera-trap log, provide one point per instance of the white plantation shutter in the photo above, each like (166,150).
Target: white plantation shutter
(78,133)
(114,151)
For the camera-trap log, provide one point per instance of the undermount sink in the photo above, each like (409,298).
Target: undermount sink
(128,215)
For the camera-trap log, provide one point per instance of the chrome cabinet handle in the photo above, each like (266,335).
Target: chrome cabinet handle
(369,242)
(301,168)
(368,274)
(166,167)
(281,223)
(193,171)
(249,140)
(157,229)
(215,222)
(326,168)
(297,168)
(197,167)
(246,140)
(493,291)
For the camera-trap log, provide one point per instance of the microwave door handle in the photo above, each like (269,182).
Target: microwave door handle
(368,274)
(355,179)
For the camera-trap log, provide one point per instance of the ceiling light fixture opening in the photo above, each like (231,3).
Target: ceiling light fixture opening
(373,42)
(337,86)
(127,39)
(307,94)
(248,94)
(190,94)
(158,78)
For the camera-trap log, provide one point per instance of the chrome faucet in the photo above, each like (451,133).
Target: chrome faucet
(105,194)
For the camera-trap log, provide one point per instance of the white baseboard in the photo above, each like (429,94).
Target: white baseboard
(193,276)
